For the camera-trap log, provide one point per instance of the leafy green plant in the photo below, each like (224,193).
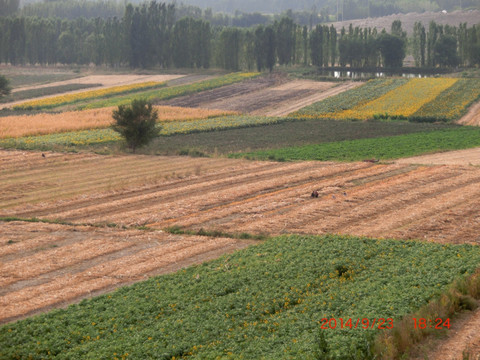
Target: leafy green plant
(265,301)
(136,123)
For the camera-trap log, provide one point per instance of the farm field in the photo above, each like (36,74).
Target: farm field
(68,263)
(267,300)
(419,100)
(88,224)
(377,200)
(106,81)
(43,124)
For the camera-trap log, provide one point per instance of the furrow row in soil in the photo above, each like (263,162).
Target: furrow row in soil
(186,191)
(69,184)
(333,196)
(131,268)
(292,192)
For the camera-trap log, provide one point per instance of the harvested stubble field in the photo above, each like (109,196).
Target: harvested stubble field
(80,256)
(51,265)
(41,124)
(378,200)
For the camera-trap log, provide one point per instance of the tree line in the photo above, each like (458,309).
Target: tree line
(151,34)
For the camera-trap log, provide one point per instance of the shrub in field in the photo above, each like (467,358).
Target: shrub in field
(4,86)
(136,123)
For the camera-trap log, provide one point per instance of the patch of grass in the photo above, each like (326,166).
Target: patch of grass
(215,233)
(392,147)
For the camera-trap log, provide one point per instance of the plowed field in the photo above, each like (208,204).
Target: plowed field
(396,200)
(273,95)
(48,265)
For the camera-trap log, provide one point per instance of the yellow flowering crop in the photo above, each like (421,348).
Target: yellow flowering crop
(402,101)
(86,95)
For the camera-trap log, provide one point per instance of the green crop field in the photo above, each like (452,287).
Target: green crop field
(265,301)
(392,147)
(225,135)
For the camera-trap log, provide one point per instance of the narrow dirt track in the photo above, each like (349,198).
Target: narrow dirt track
(472,117)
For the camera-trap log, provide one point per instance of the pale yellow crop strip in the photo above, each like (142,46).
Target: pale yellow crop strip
(69,98)
(402,101)
(42,124)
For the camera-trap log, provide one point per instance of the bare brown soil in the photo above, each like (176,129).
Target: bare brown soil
(273,95)
(457,157)
(454,18)
(472,117)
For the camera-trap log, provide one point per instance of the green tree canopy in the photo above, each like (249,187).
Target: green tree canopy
(4,86)
(445,51)
(136,123)
(392,49)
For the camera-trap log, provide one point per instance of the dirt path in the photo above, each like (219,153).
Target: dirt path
(106,81)
(472,117)
(458,157)
(463,339)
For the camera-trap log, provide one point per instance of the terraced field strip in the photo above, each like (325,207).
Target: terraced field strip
(106,81)
(66,264)
(39,179)
(204,98)
(359,198)
(261,100)
(289,106)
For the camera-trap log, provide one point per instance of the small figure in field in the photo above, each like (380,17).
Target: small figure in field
(314,194)
(344,193)
(43,155)
(371,160)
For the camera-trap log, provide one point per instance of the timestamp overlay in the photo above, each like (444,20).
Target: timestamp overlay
(381,323)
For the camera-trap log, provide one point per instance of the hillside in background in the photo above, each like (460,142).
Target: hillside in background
(345,9)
